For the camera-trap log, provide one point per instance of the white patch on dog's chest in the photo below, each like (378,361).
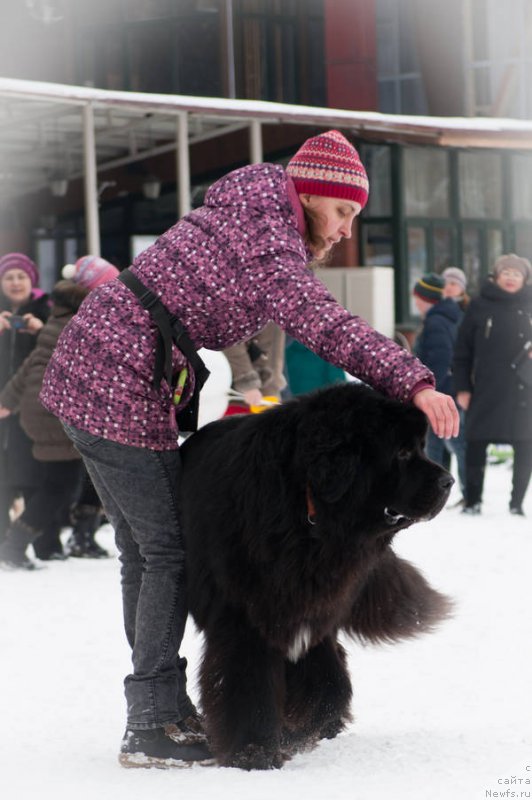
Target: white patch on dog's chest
(300,644)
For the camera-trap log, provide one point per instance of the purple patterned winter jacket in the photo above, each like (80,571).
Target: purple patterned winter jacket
(224,270)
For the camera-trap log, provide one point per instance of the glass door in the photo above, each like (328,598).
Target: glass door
(430,247)
(480,244)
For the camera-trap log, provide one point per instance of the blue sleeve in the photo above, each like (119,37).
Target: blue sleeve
(436,347)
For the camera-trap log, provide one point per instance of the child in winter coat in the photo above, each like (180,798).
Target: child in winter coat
(24,308)
(61,469)
(224,270)
(434,346)
(456,286)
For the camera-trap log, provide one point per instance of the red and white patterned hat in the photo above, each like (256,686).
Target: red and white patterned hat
(329,165)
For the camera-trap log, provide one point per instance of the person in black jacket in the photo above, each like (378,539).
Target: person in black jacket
(434,346)
(23,310)
(496,327)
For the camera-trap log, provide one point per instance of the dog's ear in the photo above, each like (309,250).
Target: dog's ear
(332,473)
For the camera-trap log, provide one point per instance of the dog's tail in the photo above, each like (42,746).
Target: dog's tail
(396,602)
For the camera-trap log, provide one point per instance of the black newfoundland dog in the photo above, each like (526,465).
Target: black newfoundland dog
(288,518)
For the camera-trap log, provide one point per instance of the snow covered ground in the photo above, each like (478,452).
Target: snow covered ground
(447,716)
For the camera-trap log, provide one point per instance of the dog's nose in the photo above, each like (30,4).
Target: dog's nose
(446,480)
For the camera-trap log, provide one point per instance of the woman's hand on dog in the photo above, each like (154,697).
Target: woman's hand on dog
(441,411)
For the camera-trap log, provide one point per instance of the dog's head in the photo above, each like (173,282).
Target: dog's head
(368,460)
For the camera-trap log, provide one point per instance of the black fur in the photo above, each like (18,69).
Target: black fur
(271,591)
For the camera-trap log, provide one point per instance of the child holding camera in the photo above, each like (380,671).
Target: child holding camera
(23,310)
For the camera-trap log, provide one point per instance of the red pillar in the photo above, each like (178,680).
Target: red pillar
(351,54)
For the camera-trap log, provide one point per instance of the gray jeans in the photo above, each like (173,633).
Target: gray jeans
(138,490)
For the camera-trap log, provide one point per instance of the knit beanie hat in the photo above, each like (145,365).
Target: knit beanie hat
(329,165)
(429,288)
(20,261)
(512,261)
(90,271)
(457,275)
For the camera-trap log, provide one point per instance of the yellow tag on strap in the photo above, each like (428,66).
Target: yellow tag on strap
(267,403)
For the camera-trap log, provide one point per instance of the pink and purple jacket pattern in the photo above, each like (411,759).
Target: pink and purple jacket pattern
(225,270)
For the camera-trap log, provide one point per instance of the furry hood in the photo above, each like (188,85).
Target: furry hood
(67,295)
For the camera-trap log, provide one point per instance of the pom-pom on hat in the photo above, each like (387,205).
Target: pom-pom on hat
(429,288)
(457,275)
(513,261)
(90,271)
(329,165)
(20,261)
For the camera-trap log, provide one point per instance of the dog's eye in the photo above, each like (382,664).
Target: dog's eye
(404,453)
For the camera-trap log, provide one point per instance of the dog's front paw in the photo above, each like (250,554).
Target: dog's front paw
(332,728)
(255,756)
(302,741)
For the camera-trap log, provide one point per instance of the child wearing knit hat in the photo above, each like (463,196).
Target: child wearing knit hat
(428,289)
(456,286)
(90,272)
(434,346)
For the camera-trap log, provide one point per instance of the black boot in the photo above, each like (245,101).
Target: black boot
(82,544)
(169,746)
(13,551)
(48,546)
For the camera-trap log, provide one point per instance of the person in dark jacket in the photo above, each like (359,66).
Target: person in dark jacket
(434,346)
(496,327)
(61,468)
(23,310)
(224,270)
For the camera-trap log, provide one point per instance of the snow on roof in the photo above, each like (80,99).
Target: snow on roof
(450,131)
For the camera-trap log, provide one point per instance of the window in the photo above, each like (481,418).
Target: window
(279,50)
(151,46)
(377,161)
(472,257)
(480,185)
(398,71)
(416,260)
(377,244)
(500,68)
(442,245)
(426,182)
(522,187)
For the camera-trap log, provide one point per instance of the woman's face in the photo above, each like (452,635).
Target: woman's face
(511,280)
(333,218)
(452,288)
(16,286)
